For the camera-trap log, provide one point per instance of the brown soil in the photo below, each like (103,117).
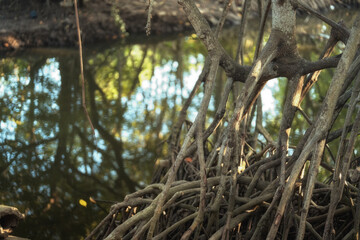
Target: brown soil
(55,25)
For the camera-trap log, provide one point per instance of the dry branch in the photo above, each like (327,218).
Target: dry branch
(238,187)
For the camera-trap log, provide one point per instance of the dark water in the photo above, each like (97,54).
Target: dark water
(51,164)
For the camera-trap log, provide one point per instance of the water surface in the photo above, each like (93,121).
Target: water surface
(51,163)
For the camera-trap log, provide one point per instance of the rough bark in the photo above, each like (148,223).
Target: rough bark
(234,188)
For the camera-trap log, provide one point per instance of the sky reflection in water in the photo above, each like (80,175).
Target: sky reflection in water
(49,159)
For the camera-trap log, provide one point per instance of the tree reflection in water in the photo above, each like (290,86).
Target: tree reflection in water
(49,159)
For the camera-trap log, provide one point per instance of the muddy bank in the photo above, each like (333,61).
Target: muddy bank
(54,25)
(25,24)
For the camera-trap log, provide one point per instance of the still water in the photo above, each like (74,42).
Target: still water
(51,163)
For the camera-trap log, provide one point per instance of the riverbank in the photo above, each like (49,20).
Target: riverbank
(27,24)
(39,25)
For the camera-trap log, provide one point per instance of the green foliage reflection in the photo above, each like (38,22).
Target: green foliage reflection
(48,158)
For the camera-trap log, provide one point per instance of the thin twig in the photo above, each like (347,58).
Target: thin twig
(221,22)
(264,15)
(149,17)
(82,67)
(344,32)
